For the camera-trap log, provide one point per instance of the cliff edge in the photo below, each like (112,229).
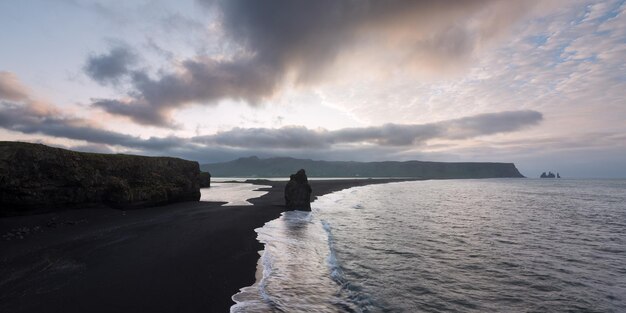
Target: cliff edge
(37,178)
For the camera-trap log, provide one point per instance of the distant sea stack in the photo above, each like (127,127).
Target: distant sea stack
(38,178)
(283,167)
(298,192)
(549,175)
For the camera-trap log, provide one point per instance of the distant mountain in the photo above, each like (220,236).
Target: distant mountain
(283,167)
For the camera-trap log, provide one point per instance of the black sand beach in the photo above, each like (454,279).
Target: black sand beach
(186,257)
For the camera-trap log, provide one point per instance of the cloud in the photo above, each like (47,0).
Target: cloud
(35,117)
(378,143)
(110,67)
(196,79)
(139,111)
(490,123)
(282,39)
(44,119)
(10,87)
(38,117)
(306,36)
(41,118)
(292,137)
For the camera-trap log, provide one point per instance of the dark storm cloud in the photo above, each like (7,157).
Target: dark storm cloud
(139,111)
(307,35)
(111,66)
(303,38)
(198,79)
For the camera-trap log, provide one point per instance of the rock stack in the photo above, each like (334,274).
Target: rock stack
(205,180)
(298,192)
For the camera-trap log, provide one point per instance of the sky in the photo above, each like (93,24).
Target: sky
(538,83)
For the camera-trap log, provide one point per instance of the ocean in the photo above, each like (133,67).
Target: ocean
(232,194)
(491,245)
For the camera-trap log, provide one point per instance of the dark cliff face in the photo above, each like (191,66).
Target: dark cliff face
(38,178)
(281,167)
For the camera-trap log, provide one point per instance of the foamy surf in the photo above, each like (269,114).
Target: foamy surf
(297,271)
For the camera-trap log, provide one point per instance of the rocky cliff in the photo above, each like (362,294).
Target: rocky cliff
(36,178)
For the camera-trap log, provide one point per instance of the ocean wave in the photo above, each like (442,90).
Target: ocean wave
(299,270)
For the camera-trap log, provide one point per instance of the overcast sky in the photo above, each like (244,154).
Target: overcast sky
(538,83)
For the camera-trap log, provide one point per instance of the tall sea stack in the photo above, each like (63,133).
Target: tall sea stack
(37,178)
(298,192)
(205,180)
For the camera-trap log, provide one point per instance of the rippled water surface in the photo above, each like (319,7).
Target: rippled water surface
(231,193)
(506,245)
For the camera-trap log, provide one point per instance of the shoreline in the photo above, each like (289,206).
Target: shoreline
(183,257)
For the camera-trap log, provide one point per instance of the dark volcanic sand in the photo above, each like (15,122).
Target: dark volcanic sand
(186,257)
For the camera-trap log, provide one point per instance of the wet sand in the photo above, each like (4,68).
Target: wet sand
(185,257)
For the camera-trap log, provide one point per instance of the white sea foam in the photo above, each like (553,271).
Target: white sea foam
(297,268)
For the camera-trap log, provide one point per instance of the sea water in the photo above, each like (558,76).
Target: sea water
(232,193)
(495,245)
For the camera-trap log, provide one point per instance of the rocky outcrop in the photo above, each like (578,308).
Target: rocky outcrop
(298,192)
(549,175)
(205,179)
(36,178)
